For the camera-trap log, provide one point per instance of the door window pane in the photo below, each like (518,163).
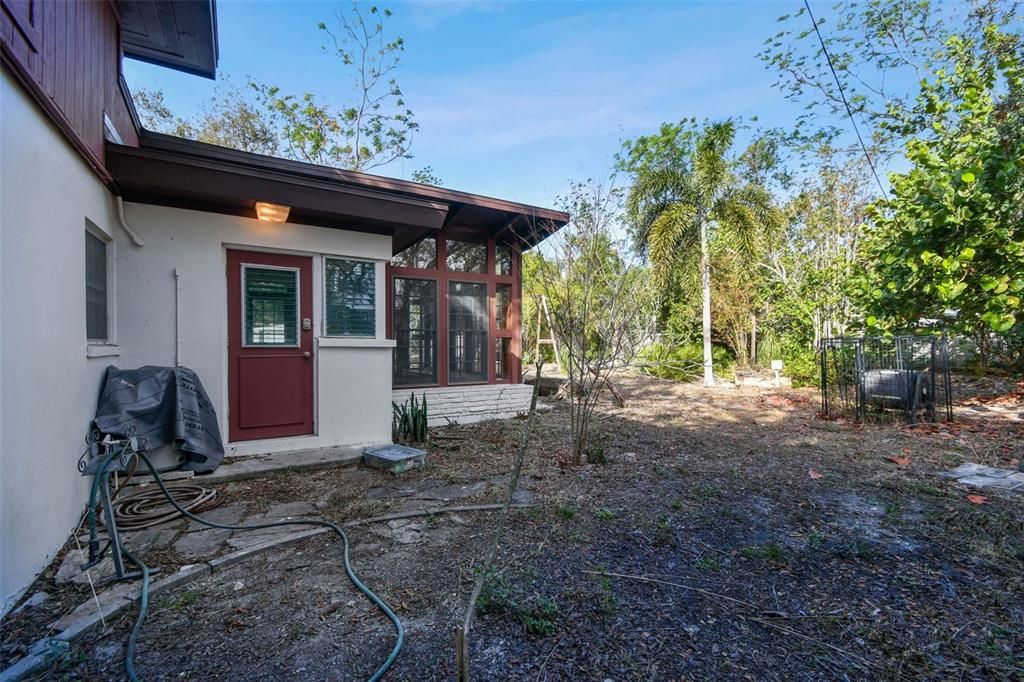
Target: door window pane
(349,298)
(414,322)
(503,260)
(502,305)
(270,306)
(467,332)
(502,359)
(95,288)
(422,254)
(466,256)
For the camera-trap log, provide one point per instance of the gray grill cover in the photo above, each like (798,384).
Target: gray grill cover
(162,406)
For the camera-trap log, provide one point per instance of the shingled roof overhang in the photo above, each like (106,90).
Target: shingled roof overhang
(172,171)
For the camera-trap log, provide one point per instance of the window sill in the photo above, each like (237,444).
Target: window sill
(354,342)
(102,350)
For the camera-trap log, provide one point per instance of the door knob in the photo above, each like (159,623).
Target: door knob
(307,355)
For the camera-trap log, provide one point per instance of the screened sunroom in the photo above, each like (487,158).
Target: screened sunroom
(454,312)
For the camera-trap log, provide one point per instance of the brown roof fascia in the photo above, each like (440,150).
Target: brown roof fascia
(173,178)
(159,141)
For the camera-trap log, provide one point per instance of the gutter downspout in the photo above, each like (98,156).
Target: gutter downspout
(177,318)
(139,241)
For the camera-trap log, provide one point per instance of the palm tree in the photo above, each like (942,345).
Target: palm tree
(679,211)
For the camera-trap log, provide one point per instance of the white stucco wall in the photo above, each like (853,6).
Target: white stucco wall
(50,376)
(468,404)
(48,385)
(352,378)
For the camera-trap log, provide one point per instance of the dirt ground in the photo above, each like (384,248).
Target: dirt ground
(729,534)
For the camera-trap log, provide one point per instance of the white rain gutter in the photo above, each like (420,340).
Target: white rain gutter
(139,241)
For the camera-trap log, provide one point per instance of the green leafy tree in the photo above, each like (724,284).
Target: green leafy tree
(374,129)
(427,176)
(881,50)
(686,200)
(808,270)
(951,240)
(228,120)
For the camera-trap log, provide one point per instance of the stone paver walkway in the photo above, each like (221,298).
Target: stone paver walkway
(981,476)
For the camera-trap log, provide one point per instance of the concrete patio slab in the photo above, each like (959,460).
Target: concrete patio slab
(991,482)
(981,476)
(241,468)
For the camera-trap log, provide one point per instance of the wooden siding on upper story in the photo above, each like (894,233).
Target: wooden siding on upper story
(67,54)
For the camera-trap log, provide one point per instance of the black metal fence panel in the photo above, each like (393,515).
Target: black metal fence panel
(897,378)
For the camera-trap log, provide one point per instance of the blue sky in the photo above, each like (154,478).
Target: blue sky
(516,98)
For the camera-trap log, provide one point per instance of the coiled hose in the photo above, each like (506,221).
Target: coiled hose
(149,508)
(144,600)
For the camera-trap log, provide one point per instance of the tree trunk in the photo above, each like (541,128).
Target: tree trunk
(705,294)
(753,338)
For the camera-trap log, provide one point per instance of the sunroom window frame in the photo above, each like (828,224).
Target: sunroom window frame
(442,276)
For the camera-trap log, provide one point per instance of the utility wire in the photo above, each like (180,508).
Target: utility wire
(846,104)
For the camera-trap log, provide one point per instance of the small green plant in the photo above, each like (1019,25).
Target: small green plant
(409,420)
(608,601)
(536,613)
(181,600)
(858,549)
(607,587)
(731,513)
(596,453)
(567,513)
(539,618)
(605,514)
(770,552)
(708,564)
(676,505)
(496,596)
(707,491)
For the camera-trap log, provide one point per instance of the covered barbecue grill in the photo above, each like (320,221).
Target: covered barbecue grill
(899,378)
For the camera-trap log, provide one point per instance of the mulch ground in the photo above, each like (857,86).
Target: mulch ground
(729,534)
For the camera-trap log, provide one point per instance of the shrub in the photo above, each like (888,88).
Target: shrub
(683,362)
(801,364)
(409,420)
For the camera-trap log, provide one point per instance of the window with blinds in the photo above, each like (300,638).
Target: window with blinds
(96,325)
(349,298)
(270,306)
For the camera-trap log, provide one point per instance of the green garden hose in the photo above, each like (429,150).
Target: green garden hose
(144,600)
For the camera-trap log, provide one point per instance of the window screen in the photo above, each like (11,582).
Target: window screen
(349,298)
(502,359)
(95,288)
(503,260)
(271,306)
(421,255)
(467,332)
(502,305)
(414,322)
(466,256)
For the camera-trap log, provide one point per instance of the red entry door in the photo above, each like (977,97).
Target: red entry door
(270,345)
